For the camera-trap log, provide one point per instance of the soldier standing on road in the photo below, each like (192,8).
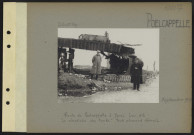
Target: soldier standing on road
(136,74)
(96,68)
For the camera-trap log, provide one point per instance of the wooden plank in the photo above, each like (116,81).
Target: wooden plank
(93,45)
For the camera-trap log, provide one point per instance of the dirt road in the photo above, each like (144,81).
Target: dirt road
(147,94)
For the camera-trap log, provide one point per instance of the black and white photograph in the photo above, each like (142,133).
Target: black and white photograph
(108,65)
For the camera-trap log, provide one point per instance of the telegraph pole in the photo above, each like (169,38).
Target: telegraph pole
(154,65)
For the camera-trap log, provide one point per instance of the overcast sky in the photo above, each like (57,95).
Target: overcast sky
(148,51)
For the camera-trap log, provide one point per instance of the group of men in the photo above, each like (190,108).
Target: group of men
(118,64)
(63,59)
(135,70)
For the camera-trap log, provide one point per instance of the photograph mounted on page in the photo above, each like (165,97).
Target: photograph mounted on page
(108,65)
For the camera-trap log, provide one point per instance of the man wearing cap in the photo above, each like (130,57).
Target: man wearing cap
(96,68)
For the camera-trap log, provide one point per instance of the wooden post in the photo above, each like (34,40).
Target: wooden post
(108,62)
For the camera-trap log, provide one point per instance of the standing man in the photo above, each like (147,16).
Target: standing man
(96,68)
(62,62)
(70,60)
(136,74)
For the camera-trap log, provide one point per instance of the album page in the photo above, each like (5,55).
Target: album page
(97,67)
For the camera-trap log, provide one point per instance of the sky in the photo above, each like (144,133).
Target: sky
(148,38)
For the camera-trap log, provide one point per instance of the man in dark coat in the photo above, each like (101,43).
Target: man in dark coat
(136,74)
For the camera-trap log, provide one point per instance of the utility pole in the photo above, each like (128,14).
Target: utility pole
(108,62)
(154,65)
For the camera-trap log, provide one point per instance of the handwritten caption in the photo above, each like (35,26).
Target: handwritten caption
(107,118)
(167,100)
(68,24)
(172,7)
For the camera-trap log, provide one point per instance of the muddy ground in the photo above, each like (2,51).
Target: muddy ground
(72,84)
